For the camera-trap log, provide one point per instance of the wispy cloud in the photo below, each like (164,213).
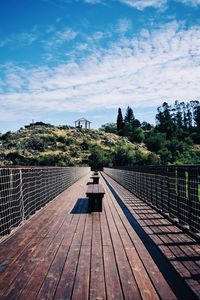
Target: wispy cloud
(142,4)
(138,4)
(60,37)
(189,2)
(19,40)
(93,1)
(159,65)
(124,25)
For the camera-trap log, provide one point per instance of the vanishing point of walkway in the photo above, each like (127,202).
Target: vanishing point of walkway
(63,252)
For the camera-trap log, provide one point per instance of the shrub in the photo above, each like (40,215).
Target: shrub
(137,136)
(155,142)
(123,155)
(85,145)
(98,157)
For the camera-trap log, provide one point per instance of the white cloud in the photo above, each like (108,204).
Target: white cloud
(162,65)
(20,39)
(98,35)
(60,37)
(142,4)
(138,4)
(93,1)
(124,25)
(190,2)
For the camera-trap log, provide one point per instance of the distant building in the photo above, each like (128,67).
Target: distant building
(82,123)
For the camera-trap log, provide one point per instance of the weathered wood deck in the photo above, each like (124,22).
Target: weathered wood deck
(64,252)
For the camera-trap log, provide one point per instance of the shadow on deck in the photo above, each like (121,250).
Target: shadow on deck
(81,206)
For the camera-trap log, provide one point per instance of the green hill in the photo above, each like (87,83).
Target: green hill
(44,144)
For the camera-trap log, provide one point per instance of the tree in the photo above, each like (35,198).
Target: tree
(178,113)
(189,115)
(146,126)
(120,122)
(164,120)
(197,115)
(129,117)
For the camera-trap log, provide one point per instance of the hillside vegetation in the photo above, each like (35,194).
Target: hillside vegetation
(44,144)
(174,140)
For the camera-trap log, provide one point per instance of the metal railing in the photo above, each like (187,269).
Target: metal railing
(174,190)
(25,190)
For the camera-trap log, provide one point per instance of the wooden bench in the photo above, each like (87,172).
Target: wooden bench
(95,179)
(95,193)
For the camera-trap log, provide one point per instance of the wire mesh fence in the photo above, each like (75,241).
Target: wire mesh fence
(174,190)
(23,191)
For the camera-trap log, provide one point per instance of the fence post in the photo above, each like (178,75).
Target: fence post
(194,198)
(21,196)
(165,185)
(173,205)
(183,206)
(5,217)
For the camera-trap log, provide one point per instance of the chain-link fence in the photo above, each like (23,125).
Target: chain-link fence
(174,190)
(23,191)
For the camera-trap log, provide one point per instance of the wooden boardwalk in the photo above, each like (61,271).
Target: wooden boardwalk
(64,252)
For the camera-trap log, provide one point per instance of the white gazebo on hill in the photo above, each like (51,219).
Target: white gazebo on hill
(82,123)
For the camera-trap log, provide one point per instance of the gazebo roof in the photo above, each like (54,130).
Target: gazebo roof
(82,120)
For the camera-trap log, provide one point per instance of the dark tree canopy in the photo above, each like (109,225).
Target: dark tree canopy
(129,117)
(197,115)
(164,119)
(120,121)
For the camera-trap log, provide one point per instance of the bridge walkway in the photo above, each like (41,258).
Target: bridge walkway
(63,252)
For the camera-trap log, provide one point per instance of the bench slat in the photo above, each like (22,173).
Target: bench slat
(95,189)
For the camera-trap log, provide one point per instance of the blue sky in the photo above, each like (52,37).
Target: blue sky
(62,59)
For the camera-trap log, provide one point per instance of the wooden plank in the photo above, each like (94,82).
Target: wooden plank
(49,285)
(97,281)
(65,285)
(112,281)
(82,279)
(33,243)
(105,233)
(144,283)
(17,264)
(33,286)
(164,227)
(129,285)
(166,236)
(24,236)
(66,282)
(87,235)
(157,278)
(113,286)
(34,255)
(38,276)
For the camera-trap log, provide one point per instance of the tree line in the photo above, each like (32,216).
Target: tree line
(174,137)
